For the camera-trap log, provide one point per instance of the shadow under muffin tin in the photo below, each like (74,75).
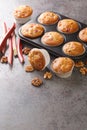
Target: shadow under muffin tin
(55,50)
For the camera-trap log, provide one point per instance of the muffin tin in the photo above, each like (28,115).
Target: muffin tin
(56,50)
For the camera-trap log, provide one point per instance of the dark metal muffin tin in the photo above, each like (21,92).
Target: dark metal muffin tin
(57,50)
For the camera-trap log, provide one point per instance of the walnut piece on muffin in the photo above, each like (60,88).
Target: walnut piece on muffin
(68,26)
(48,18)
(52,38)
(32,30)
(73,48)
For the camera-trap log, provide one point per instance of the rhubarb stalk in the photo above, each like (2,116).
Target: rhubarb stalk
(7,35)
(14,44)
(4,32)
(19,51)
(10,55)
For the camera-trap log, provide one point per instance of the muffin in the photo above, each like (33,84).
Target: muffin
(68,26)
(83,34)
(62,66)
(48,18)
(74,48)
(52,39)
(39,58)
(32,30)
(22,13)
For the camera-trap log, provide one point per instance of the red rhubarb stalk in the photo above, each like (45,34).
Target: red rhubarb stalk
(19,51)
(7,35)
(10,56)
(14,44)
(4,32)
(4,28)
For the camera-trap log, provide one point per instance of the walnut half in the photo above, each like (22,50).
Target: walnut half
(48,75)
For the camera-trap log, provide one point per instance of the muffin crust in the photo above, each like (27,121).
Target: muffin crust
(52,38)
(68,26)
(83,34)
(36,59)
(23,11)
(73,48)
(32,30)
(62,65)
(48,18)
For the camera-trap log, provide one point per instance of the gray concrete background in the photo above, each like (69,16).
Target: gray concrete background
(59,104)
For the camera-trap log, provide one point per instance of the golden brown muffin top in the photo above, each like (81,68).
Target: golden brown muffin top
(52,38)
(83,34)
(48,18)
(73,48)
(32,30)
(62,65)
(36,59)
(23,11)
(68,26)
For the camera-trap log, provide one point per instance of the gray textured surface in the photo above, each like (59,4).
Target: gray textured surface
(60,104)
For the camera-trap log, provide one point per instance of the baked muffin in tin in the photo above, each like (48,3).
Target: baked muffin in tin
(52,38)
(68,26)
(32,30)
(48,18)
(73,48)
(83,35)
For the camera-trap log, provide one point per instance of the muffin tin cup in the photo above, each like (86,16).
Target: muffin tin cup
(54,50)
